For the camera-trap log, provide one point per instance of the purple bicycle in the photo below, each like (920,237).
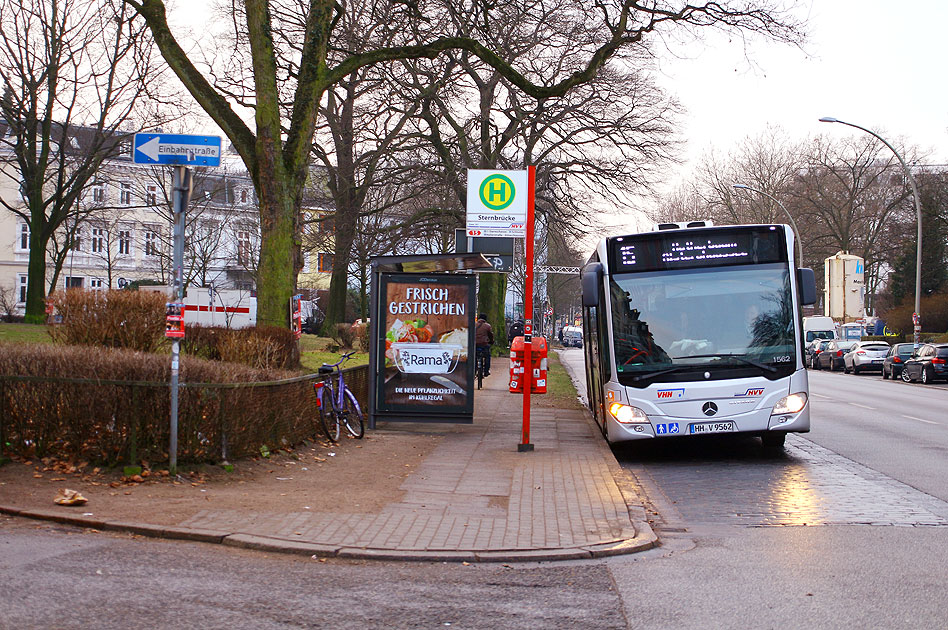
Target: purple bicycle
(337,404)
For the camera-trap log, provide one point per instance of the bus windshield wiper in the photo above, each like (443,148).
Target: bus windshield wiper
(677,368)
(742,358)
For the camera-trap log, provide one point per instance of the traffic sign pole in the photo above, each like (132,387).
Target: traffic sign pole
(181,189)
(525,444)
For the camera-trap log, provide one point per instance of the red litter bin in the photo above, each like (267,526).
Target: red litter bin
(538,363)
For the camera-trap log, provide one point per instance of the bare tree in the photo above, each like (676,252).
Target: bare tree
(848,196)
(284,84)
(768,162)
(72,72)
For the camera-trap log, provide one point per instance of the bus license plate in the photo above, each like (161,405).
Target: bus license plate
(712,427)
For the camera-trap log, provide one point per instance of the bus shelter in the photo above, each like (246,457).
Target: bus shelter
(421,355)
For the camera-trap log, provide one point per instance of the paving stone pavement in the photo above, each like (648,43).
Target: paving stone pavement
(476,498)
(810,486)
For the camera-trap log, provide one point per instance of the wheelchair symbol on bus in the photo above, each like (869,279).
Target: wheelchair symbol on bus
(666,429)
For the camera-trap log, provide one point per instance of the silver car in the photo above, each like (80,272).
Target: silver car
(865,355)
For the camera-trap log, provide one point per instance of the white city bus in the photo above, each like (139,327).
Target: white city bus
(695,331)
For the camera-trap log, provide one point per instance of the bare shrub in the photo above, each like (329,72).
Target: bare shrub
(115,319)
(263,347)
(111,406)
(343,335)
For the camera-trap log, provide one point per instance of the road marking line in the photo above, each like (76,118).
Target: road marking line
(821,396)
(863,406)
(920,419)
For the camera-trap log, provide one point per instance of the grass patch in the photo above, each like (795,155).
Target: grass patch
(312,360)
(25,333)
(561,392)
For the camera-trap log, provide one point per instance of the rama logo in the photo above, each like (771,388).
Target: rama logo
(751,392)
(670,393)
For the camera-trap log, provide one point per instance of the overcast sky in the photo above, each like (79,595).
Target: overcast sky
(877,63)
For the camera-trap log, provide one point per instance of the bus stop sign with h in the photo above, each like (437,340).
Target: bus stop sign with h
(501,204)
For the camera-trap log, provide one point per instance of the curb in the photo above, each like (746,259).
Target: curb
(644,539)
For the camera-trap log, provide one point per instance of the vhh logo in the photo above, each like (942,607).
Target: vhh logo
(669,393)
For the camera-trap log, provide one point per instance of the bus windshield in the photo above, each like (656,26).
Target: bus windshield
(696,324)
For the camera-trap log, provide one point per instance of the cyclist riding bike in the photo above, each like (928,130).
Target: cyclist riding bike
(483,340)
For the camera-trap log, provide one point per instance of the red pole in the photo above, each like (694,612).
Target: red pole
(525,444)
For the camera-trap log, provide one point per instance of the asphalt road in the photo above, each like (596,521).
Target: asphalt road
(62,577)
(899,429)
(847,528)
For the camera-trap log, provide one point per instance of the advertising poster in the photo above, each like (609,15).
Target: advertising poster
(426,362)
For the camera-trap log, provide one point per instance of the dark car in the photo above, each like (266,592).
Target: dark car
(930,363)
(831,355)
(809,351)
(818,346)
(895,359)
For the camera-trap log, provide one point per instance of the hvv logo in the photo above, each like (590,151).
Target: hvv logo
(670,393)
(751,392)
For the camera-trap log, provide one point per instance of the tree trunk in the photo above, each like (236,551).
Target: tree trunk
(490,301)
(36,283)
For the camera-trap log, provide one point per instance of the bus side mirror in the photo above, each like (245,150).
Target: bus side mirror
(591,281)
(806,281)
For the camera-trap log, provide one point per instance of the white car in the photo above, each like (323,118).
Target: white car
(865,355)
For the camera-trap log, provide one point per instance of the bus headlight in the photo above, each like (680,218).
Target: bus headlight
(794,403)
(626,414)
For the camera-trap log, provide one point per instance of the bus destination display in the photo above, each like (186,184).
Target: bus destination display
(700,248)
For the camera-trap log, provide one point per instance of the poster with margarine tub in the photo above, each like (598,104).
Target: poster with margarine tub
(428,328)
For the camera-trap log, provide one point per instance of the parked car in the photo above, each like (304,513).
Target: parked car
(928,364)
(831,355)
(895,359)
(819,345)
(809,351)
(865,355)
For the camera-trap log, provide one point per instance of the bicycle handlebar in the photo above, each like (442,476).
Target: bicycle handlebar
(344,358)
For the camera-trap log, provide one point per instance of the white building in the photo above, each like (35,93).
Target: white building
(124,232)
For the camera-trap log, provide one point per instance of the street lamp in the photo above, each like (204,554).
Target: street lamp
(793,223)
(917,316)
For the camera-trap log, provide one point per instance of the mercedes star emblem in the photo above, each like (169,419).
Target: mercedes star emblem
(709,408)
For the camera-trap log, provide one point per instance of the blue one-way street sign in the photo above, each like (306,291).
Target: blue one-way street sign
(168,148)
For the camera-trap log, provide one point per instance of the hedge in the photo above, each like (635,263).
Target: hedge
(110,406)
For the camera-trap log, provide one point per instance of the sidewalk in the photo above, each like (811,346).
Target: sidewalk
(472,498)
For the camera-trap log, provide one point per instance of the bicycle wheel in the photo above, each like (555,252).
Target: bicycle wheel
(328,416)
(352,415)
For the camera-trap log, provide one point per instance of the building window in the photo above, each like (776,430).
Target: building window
(22,282)
(244,248)
(243,196)
(324,263)
(151,195)
(24,241)
(125,242)
(125,194)
(97,243)
(77,240)
(74,282)
(151,240)
(96,284)
(326,225)
(98,193)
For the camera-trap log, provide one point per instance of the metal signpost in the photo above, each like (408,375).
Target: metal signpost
(497,251)
(498,207)
(179,151)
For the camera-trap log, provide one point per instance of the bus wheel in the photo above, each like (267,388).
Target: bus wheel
(774,439)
